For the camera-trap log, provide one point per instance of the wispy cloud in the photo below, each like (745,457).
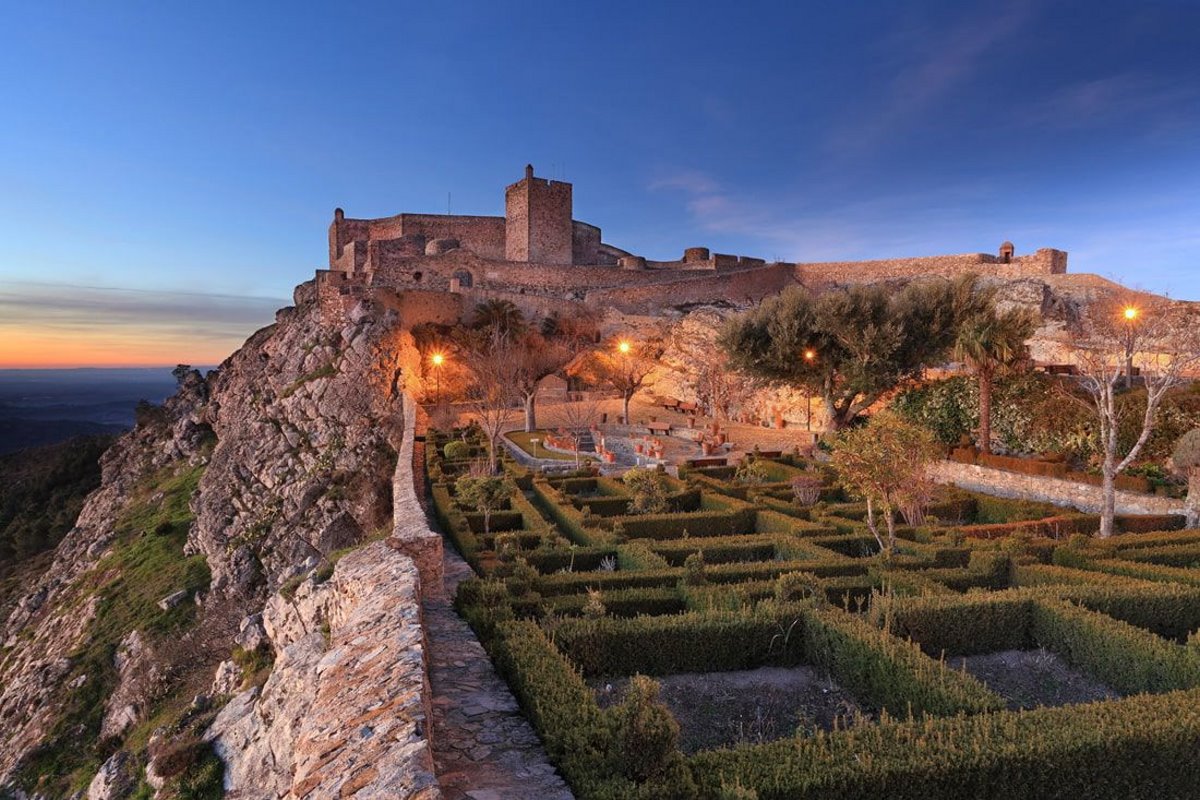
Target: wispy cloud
(809,228)
(1127,95)
(934,61)
(52,324)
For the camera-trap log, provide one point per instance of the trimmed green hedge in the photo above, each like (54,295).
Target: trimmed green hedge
(1177,555)
(639,555)
(717,517)
(1126,658)
(622,602)
(577,735)
(887,672)
(1140,747)
(718,549)
(692,642)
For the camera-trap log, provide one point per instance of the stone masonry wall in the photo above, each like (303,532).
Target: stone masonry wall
(746,286)
(411,533)
(1082,496)
(1046,261)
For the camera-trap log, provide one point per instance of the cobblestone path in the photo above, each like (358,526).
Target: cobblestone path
(483,748)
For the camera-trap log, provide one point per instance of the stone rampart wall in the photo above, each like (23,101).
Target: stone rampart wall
(1046,261)
(1082,496)
(411,533)
(747,286)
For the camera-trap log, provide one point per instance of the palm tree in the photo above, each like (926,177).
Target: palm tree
(502,317)
(989,341)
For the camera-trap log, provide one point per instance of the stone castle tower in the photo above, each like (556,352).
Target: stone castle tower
(537,215)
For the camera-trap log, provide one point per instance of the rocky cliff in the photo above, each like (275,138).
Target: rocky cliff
(252,479)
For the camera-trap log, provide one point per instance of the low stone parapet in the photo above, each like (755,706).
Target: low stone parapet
(411,533)
(1083,496)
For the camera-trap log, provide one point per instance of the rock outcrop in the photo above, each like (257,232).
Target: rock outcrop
(344,712)
(294,443)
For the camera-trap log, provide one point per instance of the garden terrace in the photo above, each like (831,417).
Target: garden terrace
(1020,653)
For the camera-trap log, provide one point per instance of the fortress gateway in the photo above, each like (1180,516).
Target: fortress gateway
(540,257)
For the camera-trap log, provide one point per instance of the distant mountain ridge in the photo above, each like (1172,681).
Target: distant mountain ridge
(43,406)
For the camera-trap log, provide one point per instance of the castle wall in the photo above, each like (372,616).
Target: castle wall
(533,306)
(416,306)
(747,286)
(585,245)
(481,235)
(1046,261)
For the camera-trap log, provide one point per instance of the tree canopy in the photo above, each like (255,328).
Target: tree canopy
(849,346)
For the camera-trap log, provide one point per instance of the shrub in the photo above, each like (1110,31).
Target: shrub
(647,733)
(797,586)
(751,472)
(594,607)
(693,570)
(456,449)
(806,489)
(649,490)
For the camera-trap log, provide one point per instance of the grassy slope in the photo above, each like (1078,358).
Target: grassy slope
(145,565)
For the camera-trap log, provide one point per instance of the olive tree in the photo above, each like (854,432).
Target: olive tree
(849,346)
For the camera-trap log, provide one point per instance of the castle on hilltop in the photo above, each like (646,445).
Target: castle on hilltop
(543,259)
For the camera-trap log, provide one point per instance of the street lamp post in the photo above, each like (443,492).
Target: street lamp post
(1131,315)
(623,347)
(810,355)
(438,359)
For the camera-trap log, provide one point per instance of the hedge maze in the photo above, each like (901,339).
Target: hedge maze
(575,594)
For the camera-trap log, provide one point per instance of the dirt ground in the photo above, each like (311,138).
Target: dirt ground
(717,709)
(1031,678)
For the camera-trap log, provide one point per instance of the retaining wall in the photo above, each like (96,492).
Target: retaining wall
(1083,496)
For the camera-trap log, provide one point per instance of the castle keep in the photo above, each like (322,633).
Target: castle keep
(541,258)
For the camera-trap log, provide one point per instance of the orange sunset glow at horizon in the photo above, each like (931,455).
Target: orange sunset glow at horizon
(51,326)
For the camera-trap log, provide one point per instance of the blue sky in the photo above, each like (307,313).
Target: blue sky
(190,157)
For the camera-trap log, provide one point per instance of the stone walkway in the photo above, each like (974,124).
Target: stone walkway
(483,748)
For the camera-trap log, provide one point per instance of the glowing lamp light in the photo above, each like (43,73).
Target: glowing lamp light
(437,359)
(1131,313)
(624,348)
(809,355)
